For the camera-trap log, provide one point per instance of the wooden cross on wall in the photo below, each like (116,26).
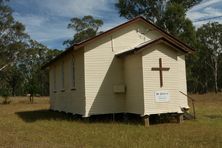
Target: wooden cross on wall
(160,69)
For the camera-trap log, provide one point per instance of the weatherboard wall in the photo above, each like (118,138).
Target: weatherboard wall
(68,99)
(174,80)
(133,75)
(103,70)
(98,71)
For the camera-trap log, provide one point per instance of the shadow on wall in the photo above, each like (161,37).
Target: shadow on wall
(105,100)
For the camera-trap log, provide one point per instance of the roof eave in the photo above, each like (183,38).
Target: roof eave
(83,43)
(152,43)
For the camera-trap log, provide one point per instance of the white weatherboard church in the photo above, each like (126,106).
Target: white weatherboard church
(133,68)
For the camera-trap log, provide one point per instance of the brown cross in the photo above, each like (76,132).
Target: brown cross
(160,69)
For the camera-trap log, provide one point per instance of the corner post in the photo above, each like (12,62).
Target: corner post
(146,121)
(179,118)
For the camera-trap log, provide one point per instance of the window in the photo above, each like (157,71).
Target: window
(62,75)
(54,78)
(73,73)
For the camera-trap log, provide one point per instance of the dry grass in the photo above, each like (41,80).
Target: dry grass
(32,125)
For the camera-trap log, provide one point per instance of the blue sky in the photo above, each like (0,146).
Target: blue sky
(46,20)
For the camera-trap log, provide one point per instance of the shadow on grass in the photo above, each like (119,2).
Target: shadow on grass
(38,115)
(32,116)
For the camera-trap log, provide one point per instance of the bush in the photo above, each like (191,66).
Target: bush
(5,96)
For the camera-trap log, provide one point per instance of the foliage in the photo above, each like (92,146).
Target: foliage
(169,15)
(175,22)
(204,70)
(150,9)
(21,58)
(5,94)
(12,36)
(204,66)
(85,28)
(210,37)
(13,77)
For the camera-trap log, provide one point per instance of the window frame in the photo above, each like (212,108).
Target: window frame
(54,80)
(62,76)
(73,73)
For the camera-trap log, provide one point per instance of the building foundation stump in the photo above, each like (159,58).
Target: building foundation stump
(146,121)
(179,118)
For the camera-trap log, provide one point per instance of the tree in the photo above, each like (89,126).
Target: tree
(150,9)
(21,58)
(210,37)
(36,79)
(169,15)
(31,88)
(13,78)
(12,36)
(5,94)
(199,75)
(175,22)
(85,28)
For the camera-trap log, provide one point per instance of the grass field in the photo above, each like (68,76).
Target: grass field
(32,125)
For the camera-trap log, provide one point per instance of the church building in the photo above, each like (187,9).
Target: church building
(135,67)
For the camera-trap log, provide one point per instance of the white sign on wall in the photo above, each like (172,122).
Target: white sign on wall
(162,96)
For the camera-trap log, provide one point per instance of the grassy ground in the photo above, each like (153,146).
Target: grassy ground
(32,125)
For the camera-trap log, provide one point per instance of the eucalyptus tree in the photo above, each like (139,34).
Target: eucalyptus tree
(170,15)
(84,28)
(21,57)
(210,37)
(13,38)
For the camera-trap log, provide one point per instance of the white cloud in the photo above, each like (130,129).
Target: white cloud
(210,11)
(206,9)
(70,8)
(205,13)
(46,21)
(30,19)
(42,28)
(204,4)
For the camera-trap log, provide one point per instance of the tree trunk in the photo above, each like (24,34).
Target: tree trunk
(3,67)
(215,74)
(206,87)
(13,90)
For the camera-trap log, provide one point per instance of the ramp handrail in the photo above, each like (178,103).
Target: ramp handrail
(192,101)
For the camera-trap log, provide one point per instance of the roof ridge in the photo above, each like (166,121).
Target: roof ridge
(82,44)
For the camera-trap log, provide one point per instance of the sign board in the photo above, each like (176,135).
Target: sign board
(162,96)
